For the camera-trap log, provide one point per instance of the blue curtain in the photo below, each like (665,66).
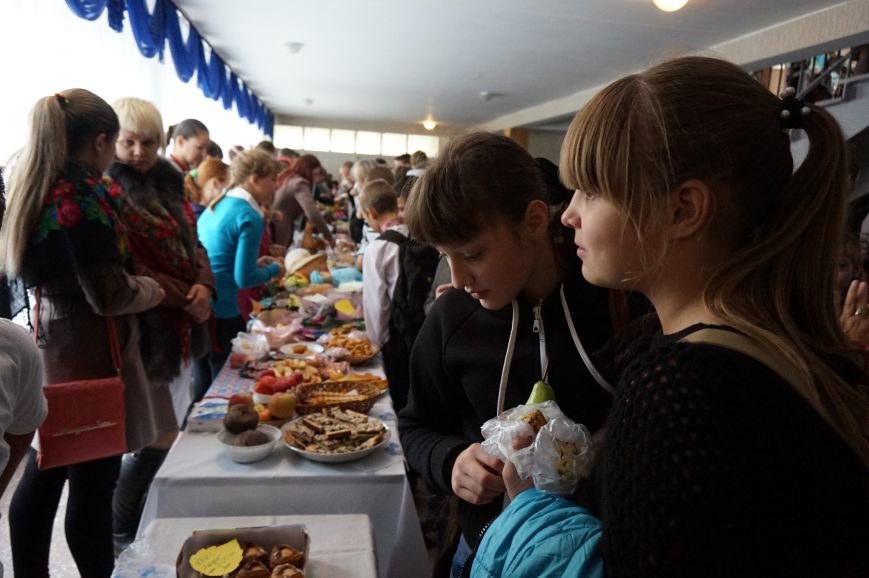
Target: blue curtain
(93,9)
(152,31)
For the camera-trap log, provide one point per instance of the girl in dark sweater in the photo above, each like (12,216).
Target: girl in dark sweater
(737,445)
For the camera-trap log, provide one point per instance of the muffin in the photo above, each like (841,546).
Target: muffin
(285,554)
(287,571)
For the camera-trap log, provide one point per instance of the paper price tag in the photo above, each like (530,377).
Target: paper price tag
(344,306)
(217,560)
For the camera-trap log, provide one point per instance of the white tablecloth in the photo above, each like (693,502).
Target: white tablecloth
(340,545)
(199,480)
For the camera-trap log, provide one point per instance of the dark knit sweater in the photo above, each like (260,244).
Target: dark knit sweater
(714,466)
(456,366)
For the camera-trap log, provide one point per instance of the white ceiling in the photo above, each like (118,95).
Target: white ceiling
(400,60)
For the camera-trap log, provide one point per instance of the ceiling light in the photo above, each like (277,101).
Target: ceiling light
(670,5)
(429,124)
(294,47)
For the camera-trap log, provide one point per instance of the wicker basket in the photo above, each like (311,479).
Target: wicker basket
(308,402)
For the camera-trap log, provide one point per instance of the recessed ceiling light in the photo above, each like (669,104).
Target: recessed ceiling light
(429,124)
(294,47)
(670,5)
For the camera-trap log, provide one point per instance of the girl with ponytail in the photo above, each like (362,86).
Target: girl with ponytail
(63,235)
(737,444)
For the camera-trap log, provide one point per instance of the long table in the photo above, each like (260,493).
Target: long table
(198,479)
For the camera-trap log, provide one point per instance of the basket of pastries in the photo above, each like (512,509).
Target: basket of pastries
(358,396)
(359,349)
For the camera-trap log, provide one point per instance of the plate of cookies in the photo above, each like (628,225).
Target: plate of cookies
(335,435)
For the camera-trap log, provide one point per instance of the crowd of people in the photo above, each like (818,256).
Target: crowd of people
(673,281)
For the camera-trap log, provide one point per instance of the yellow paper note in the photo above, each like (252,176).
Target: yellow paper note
(217,560)
(344,306)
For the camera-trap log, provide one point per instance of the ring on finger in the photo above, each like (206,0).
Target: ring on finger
(859,311)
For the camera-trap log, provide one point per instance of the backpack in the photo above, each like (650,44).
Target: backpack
(417,265)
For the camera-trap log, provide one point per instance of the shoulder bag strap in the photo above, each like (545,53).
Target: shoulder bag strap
(747,346)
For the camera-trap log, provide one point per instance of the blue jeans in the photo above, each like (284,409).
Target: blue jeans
(463,551)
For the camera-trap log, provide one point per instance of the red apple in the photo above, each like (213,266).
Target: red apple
(243,397)
(265,388)
(282,384)
(268,373)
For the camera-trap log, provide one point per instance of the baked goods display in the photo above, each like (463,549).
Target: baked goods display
(264,552)
(354,395)
(334,432)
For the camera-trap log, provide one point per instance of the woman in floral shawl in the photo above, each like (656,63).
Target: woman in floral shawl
(163,241)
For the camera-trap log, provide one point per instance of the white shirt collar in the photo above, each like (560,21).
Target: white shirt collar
(240,193)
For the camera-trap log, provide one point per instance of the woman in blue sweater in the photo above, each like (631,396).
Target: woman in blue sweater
(231,230)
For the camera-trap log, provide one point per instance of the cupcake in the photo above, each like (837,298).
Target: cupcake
(287,571)
(255,553)
(285,554)
(253,569)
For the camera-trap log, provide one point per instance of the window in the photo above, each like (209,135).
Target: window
(343,141)
(367,143)
(316,139)
(420,142)
(394,144)
(359,142)
(291,137)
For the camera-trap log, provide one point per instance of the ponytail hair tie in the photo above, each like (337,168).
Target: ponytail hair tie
(793,110)
(61,99)
(194,173)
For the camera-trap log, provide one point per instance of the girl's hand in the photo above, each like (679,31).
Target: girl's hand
(199,303)
(854,318)
(516,485)
(441,289)
(476,476)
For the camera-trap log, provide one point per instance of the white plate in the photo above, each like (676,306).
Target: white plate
(313,349)
(337,458)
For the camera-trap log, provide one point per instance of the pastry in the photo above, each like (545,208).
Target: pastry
(535,419)
(287,571)
(285,554)
(254,552)
(253,569)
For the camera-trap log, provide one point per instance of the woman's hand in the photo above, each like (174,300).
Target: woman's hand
(476,476)
(199,303)
(515,484)
(441,289)
(854,318)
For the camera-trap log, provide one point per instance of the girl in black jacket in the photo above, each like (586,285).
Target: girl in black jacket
(519,309)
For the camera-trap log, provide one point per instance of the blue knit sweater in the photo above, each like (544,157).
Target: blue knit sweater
(231,232)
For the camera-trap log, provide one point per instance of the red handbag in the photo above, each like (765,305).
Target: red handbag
(85,418)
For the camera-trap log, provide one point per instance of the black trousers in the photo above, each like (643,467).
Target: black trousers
(88,521)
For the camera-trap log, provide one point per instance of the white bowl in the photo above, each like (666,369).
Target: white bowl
(261,398)
(249,454)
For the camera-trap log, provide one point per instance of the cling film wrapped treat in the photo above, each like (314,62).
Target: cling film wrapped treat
(560,455)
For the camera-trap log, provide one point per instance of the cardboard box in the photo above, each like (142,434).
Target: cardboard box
(207,415)
(265,536)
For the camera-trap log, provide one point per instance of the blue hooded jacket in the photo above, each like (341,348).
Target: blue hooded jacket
(541,535)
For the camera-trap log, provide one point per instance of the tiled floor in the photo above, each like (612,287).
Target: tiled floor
(62,565)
